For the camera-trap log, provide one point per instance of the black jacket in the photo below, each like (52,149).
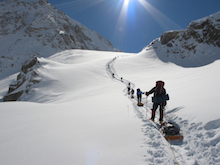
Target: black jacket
(153,90)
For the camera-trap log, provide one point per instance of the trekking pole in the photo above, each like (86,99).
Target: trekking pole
(146,105)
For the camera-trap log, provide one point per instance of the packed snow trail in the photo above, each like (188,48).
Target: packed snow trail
(158,149)
(113,74)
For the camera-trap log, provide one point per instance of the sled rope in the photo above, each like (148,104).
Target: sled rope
(173,153)
(165,115)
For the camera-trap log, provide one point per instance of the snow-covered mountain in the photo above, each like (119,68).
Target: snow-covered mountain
(197,45)
(72,111)
(35,28)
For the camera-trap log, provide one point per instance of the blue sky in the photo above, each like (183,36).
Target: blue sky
(130,25)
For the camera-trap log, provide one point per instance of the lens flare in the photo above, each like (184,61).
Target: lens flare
(78,5)
(161,19)
(121,24)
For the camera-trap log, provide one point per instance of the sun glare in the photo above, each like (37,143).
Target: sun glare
(161,19)
(121,23)
(120,27)
(126,2)
(79,5)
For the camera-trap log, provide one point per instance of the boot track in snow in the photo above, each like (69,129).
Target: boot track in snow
(155,148)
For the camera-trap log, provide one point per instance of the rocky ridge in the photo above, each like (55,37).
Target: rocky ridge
(27,79)
(200,42)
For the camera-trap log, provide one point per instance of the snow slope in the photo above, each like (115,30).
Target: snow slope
(79,114)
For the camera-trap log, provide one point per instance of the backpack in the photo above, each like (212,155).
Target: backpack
(159,88)
(170,129)
(159,94)
(139,91)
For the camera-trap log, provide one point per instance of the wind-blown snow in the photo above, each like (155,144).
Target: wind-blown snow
(79,114)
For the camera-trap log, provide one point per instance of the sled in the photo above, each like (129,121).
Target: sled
(140,104)
(173,137)
(171,132)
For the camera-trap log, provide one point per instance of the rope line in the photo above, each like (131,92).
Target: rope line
(173,153)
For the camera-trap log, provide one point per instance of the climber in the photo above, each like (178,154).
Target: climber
(132,93)
(128,88)
(139,96)
(159,99)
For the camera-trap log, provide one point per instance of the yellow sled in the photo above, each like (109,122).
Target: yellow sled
(140,104)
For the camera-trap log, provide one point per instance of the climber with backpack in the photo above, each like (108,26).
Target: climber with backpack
(139,96)
(159,99)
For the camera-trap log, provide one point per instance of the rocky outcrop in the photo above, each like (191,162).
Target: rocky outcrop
(205,31)
(197,45)
(168,36)
(26,80)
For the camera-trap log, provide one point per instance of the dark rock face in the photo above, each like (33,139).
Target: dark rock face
(168,36)
(27,78)
(210,33)
(13,96)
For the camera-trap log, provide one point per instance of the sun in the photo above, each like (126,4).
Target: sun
(126,2)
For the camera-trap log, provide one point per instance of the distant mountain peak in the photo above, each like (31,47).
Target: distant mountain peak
(197,45)
(35,28)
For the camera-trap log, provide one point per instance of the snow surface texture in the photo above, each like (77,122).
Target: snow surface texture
(79,114)
(36,28)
